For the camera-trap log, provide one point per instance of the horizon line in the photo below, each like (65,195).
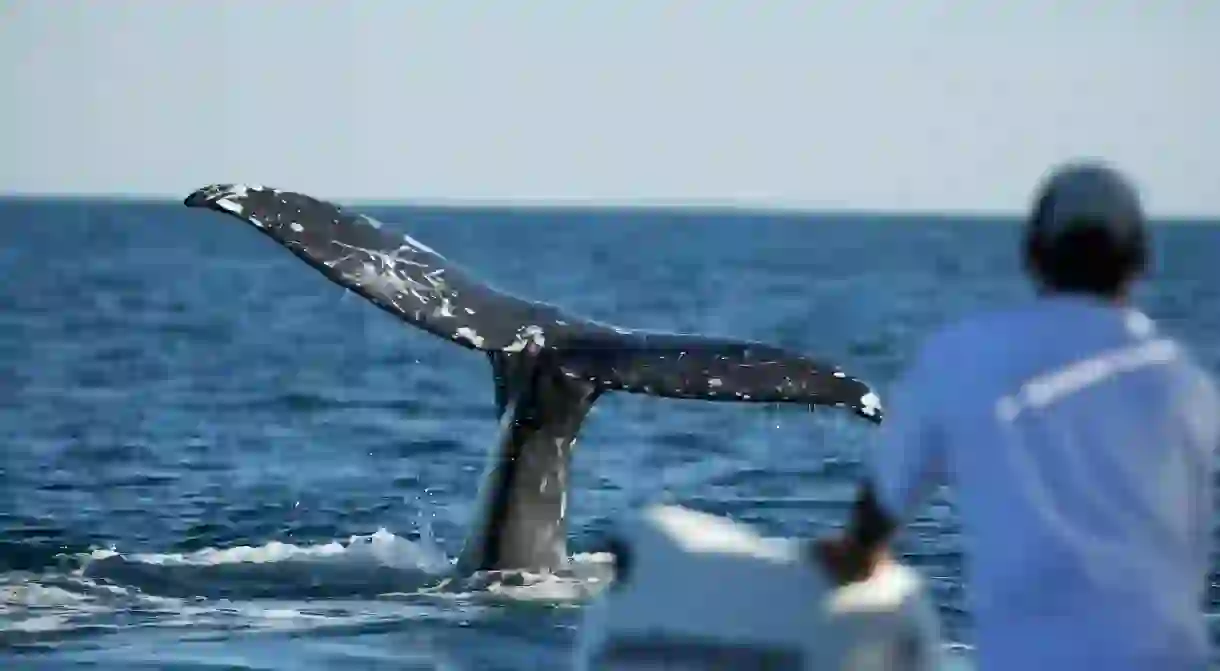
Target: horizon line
(727,205)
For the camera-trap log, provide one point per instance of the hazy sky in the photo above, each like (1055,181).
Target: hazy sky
(888,104)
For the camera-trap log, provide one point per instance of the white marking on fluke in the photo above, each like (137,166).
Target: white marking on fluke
(386,277)
(870,404)
(470,335)
(419,245)
(370,221)
(525,336)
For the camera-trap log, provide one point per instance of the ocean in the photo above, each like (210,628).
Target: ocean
(213,458)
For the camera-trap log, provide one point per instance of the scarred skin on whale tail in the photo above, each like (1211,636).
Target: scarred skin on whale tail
(420,286)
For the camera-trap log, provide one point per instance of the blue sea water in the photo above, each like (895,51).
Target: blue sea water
(213,458)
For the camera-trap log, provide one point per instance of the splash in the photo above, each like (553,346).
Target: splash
(365,582)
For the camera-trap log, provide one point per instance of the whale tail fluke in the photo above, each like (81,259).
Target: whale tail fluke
(423,288)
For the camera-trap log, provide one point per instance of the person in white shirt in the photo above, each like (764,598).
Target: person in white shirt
(1078,440)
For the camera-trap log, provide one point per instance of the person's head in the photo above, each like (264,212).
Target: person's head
(1086,233)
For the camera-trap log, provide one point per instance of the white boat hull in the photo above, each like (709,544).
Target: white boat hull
(703,592)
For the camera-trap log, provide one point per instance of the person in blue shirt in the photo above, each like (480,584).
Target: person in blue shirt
(1078,440)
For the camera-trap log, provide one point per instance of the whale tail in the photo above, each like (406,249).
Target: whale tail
(549,367)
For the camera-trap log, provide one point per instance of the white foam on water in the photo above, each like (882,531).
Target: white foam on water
(382,548)
(360,582)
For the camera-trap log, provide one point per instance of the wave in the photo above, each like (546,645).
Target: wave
(362,582)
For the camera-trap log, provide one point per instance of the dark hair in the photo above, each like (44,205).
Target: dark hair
(1084,256)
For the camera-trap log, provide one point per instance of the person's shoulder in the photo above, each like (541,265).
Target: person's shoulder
(1144,328)
(942,367)
(1195,378)
(971,331)
(1198,389)
(1201,380)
